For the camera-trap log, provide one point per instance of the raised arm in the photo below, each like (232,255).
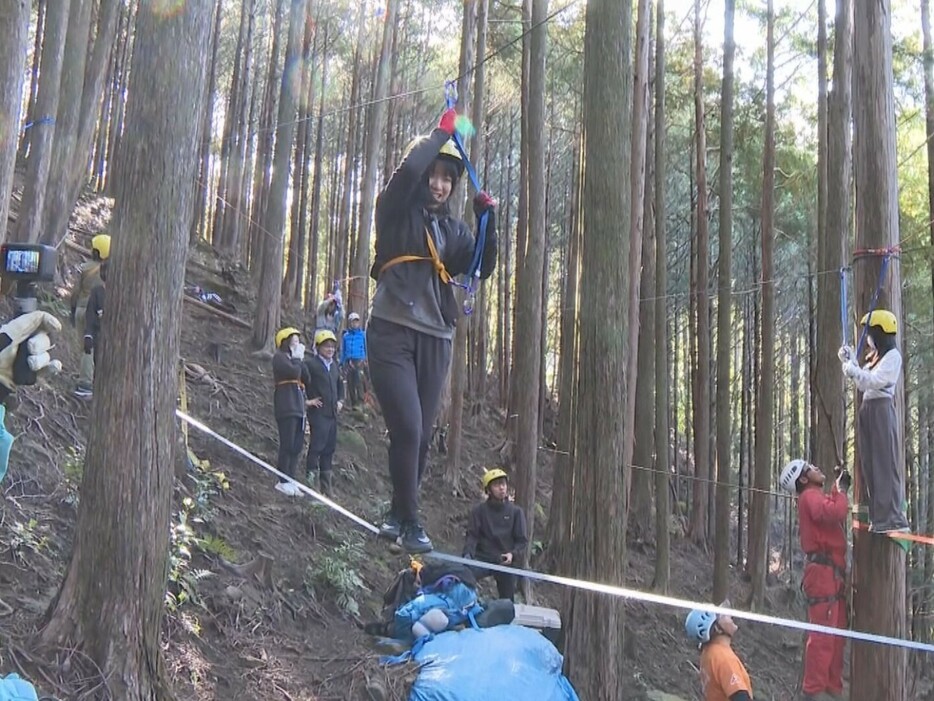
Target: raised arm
(402,184)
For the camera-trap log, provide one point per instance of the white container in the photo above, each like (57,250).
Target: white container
(537,617)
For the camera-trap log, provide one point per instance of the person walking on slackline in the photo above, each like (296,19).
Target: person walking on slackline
(877,426)
(823,540)
(420,246)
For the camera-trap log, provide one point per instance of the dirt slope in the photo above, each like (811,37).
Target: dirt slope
(265,607)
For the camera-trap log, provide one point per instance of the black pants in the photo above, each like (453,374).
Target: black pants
(408,370)
(291,441)
(505,583)
(323,443)
(356,380)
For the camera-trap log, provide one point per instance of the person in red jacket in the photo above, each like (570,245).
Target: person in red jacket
(823,539)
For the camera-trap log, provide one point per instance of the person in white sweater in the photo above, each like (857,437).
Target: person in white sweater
(877,427)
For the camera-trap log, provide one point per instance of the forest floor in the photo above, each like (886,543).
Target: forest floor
(285,626)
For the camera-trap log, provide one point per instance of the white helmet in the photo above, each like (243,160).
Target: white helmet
(353,316)
(790,475)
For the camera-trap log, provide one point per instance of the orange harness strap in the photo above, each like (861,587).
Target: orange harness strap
(291,382)
(432,257)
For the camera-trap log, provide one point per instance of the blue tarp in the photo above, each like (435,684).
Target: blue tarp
(503,662)
(12,688)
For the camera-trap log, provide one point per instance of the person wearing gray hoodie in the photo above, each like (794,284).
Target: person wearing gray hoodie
(420,247)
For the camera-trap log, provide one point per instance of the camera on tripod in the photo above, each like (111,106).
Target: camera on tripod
(27,264)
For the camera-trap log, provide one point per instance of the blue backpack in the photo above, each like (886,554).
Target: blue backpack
(13,688)
(457,599)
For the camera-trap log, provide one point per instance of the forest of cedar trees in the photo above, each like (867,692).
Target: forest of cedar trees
(697,202)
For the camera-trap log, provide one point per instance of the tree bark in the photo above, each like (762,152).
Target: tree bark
(595,630)
(662,382)
(76,125)
(111,601)
(562,493)
(701,386)
(376,132)
(14,39)
(528,357)
(314,233)
(41,9)
(641,354)
(266,319)
(29,224)
(765,401)
(878,563)
(721,567)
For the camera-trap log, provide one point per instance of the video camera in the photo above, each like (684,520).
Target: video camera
(27,263)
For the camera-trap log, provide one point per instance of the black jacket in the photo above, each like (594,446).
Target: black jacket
(289,375)
(496,528)
(95,311)
(412,294)
(324,383)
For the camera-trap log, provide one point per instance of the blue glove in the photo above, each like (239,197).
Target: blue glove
(6,442)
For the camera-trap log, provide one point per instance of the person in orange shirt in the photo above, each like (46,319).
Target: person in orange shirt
(823,540)
(723,676)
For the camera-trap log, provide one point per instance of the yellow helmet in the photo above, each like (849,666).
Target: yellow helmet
(323,336)
(101,244)
(882,318)
(448,150)
(492,475)
(283,334)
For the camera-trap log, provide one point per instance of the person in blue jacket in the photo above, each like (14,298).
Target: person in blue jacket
(353,358)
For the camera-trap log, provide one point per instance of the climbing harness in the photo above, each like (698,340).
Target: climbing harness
(473,272)
(584,585)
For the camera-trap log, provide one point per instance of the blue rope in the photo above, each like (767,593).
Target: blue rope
(872,303)
(473,272)
(843,305)
(39,122)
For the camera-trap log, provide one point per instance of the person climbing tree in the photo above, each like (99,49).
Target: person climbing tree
(89,278)
(353,358)
(324,399)
(327,316)
(420,246)
(823,540)
(289,374)
(496,532)
(877,427)
(723,676)
(93,318)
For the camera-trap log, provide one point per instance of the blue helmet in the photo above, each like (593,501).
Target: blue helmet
(698,624)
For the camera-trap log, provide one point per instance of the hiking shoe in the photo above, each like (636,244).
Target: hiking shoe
(83,392)
(390,528)
(414,539)
(289,489)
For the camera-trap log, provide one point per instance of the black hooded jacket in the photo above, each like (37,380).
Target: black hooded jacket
(412,294)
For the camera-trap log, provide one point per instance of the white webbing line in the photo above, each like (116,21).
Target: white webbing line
(596,587)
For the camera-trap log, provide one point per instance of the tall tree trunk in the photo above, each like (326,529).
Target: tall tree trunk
(528,357)
(29,223)
(76,125)
(119,110)
(198,225)
(115,583)
(878,563)
(929,117)
(559,516)
(41,10)
(595,631)
(662,382)
(314,233)
(641,355)
(266,319)
(14,40)
(765,401)
(262,172)
(458,370)
(721,567)
(376,132)
(829,395)
(701,386)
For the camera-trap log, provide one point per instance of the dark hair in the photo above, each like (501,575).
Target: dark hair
(883,341)
(284,346)
(105,266)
